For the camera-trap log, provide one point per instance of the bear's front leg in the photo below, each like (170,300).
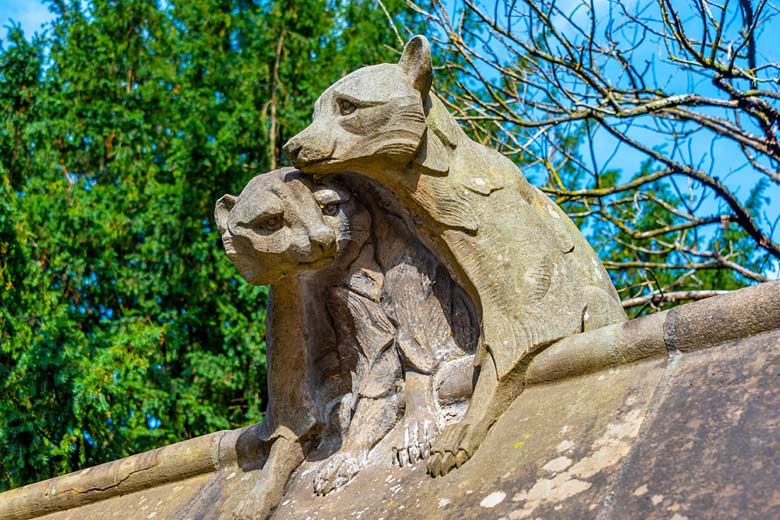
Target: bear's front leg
(491,398)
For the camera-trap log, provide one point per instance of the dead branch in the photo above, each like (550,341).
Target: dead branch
(657,298)
(691,89)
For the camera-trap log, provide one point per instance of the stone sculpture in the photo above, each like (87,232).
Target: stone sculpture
(386,280)
(532,275)
(361,317)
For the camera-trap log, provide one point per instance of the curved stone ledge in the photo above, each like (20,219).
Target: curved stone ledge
(209,469)
(172,463)
(695,326)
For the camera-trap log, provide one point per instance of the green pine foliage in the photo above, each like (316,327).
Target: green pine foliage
(123,326)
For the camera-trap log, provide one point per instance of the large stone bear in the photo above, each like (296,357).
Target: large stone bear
(533,275)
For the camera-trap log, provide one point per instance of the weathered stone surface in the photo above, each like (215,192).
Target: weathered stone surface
(684,435)
(702,444)
(530,272)
(554,452)
(712,446)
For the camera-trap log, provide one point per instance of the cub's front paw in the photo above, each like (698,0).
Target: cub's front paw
(456,445)
(337,471)
(417,438)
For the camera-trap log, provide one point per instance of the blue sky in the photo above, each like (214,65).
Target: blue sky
(31,14)
(720,158)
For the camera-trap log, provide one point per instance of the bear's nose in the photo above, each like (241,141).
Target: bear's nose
(292,148)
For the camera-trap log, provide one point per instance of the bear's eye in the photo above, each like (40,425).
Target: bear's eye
(330,209)
(346,107)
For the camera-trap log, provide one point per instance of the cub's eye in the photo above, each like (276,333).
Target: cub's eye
(270,225)
(330,209)
(346,107)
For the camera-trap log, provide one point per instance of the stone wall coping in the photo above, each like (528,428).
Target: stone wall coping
(695,326)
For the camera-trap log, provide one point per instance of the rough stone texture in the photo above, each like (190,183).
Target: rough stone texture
(531,274)
(713,448)
(684,435)
(554,451)
(362,317)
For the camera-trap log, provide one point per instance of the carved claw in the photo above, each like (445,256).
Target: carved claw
(426,452)
(337,472)
(456,445)
(418,436)
(403,458)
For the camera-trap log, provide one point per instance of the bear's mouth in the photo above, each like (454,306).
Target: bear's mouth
(318,165)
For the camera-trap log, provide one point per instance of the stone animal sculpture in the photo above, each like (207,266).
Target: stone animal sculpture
(360,314)
(533,276)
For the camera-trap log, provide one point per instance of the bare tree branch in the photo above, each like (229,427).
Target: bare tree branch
(658,297)
(691,90)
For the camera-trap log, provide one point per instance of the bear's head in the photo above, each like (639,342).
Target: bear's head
(373,118)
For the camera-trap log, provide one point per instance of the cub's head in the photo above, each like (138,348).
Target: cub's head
(372,117)
(283,223)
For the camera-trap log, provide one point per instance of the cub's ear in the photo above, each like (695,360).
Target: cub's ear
(222,210)
(416,64)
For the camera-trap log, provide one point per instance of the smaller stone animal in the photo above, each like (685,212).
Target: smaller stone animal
(358,304)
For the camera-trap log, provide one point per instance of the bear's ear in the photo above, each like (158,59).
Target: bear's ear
(416,64)
(222,210)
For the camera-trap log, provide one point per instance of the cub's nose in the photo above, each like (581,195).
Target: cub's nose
(324,238)
(292,148)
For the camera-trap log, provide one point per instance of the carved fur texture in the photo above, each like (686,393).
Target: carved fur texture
(531,273)
(365,312)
